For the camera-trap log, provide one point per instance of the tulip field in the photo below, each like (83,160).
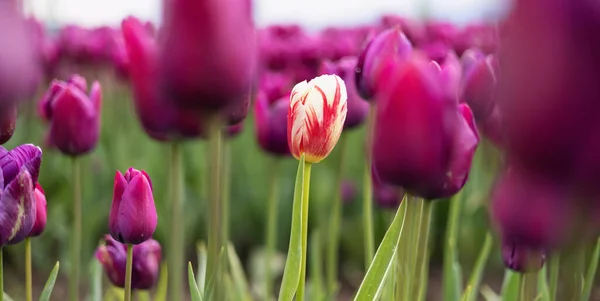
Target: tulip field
(208,158)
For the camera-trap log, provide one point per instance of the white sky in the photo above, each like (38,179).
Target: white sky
(314,13)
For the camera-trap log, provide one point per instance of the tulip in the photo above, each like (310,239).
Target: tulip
(271,122)
(357,107)
(522,259)
(348,191)
(146,262)
(19,73)
(207,55)
(74,116)
(316,116)
(159,119)
(40,217)
(24,157)
(478,87)
(386,196)
(413,105)
(8,121)
(132,217)
(18,208)
(390,44)
(275,86)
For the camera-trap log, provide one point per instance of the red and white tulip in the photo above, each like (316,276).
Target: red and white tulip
(316,117)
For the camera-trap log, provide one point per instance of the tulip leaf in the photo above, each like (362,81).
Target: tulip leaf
(293,262)
(237,273)
(96,281)
(201,274)
(477,273)
(194,292)
(50,283)
(489,294)
(543,284)
(511,285)
(7,297)
(375,279)
(161,290)
(591,273)
(142,295)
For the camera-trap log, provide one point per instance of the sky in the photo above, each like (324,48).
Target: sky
(311,13)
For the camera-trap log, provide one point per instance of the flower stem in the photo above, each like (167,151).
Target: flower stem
(28,281)
(368,192)
(128,269)
(76,243)
(335,220)
(528,286)
(416,246)
(215,239)
(407,244)
(305,193)
(422,272)
(176,244)
(225,196)
(554,269)
(271,234)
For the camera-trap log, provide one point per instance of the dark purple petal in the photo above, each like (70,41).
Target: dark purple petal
(8,165)
(20,192)
(521,258)
(28,156)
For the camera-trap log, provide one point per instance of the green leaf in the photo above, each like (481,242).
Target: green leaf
(489,294)
(7,297)
(293,263)
(543,284)
(511,285)
(237,273)
(50,283)
(591,273)
(96,281)
(201,250)
(194,292)
(383,262)
(477,274)
(163,281)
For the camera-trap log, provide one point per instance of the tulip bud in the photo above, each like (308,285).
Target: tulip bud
(40,208)
(74,116)
(8,120)
(23,157)
(17,205)
(271,122)
(145,267)
(316,116)
(357,107)
(391,44)
(161,120)
(207,55)
(522,259)
(478,88)
(132,217)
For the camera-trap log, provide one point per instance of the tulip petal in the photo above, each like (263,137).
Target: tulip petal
(120,184)
(96,96)
(137,213)
(28,156)
(8,165)
(20,193)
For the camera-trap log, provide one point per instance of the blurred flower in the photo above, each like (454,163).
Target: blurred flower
(19,71)
(469,60)
(391,44)
(207,56)
(275,86)
(8,121)
(357,107)
(40,217)
(161,120)
(423,140)
(478,87)
(20,168)
(385,196)
(349,191)
(316,116)
(146,262)
(74,116)
(132,214)
(270,123)
(450,74)
(522,259)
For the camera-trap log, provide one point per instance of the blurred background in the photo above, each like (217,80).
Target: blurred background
(123,144)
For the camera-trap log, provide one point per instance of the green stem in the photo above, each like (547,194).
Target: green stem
(401,254)
(416,247)
(422,272)
(408,258)
(368,192)
(76,243)
(28,281)
(225,196)
(335,220)
(215,239)
(177,239)
(451,282)
(528,286)
(554,269)
(271,234)
(128,269)
(305,193)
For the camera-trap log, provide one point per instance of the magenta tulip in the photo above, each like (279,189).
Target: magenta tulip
(522,259)
(271,124)
(40,212)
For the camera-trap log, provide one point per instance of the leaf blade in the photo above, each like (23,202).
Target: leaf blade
(45,296)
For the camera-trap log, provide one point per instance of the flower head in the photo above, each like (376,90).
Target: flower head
(316,116)
(40,212)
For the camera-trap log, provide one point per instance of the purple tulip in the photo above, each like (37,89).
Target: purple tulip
(24,157)
(207,56)
(385,196)
(390,44)
(275,86)
(357,107)
(522,259)
(271,124)
(40,209)
(469,60)
(132,214)
(161,120)
(146,262)
(8,122)
(478,87)
(423,140)
(19,73)
(74,116)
